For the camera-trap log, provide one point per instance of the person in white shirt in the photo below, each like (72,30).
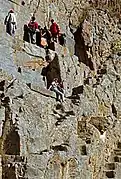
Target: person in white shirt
(55,86)
(11,23)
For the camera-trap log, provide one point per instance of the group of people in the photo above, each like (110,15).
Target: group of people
(33,33)
(43,37)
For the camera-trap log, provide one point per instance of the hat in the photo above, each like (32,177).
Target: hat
(33,18)
(11,11)
(52,20)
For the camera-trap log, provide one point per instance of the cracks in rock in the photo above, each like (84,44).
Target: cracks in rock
(114,111)
(14,2)
(20,96)
(62,147)
(36,9)
(40,153)
(19,69)
(62,117)
(20,110)
(38,4)
(59,148)
(42,93)
(30,3)
(70,113)
(65,6)
(59,106)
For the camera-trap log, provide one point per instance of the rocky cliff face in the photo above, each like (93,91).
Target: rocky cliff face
(81,137)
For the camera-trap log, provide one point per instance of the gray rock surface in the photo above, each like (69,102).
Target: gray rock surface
(41,138)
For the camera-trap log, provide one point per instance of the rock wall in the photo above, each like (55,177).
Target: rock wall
(80,138)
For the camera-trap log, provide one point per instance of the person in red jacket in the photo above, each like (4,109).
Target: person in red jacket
(33,25)
(54,29)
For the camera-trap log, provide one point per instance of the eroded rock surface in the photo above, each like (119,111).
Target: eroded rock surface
(80,138)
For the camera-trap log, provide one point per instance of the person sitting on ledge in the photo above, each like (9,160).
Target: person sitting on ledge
(56,87)
(33,25)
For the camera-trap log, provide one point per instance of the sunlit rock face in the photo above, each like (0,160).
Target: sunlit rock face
(41,138)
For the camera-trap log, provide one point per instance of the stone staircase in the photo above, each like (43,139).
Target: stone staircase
(113,168)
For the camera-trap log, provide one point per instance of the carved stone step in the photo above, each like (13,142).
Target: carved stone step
(117,151)
(117,159)
(110,174)
(83,150)
(110,166)
(119,145)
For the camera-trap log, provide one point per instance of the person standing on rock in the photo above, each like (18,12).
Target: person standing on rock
(10,22)
(54,29)
(33,25)
(38,36)
(47,35)
(62,39)
(26,33)
(55,86)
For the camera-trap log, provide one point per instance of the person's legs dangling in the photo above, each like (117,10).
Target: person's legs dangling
(59,95)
